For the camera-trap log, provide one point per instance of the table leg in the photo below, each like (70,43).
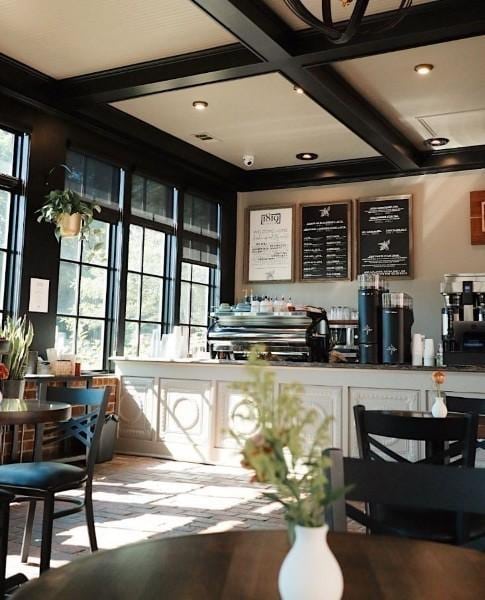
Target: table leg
(15,443)
(39,432)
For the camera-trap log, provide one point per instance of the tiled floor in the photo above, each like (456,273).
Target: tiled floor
(140,498)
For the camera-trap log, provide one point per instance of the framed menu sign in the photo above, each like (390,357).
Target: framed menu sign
(385,236)
(325,241)
(270,244)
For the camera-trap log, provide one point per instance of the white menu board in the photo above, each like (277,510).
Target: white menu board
(270,247)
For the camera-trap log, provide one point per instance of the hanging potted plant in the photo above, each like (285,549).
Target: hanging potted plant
(71,215)
(19,333)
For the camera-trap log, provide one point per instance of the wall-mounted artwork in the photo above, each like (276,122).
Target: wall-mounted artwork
(269,246)
(385,236)
(477,217)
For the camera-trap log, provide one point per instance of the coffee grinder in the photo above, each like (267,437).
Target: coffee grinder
(371,288)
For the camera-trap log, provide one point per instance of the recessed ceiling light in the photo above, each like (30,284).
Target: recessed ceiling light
(437,141)
(306,156)
(298,90)
(200,105)
(424,69)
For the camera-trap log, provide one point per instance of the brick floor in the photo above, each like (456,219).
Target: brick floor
(139,498)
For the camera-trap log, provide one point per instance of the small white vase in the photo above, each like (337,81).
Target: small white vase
(439,408)
(310,571)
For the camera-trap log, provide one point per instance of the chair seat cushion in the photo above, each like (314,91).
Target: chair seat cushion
(436,525)
(41,476)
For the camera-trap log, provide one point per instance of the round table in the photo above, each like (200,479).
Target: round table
(27,412)
(244,565)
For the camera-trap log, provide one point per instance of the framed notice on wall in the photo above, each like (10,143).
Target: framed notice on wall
(385,236)
(325,241)
(269,248)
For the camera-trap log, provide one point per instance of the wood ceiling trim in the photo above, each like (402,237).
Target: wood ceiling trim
(364,169)
(259,30)
(168,74)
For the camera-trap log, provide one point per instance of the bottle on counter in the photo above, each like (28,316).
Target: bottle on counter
(255,304)
(283,305)
(266,306)
(439,356)
(290,307)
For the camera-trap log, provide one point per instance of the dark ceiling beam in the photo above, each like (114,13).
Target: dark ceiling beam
(167,74)
(424,24)
(187,162)
(257,28)
(364,169)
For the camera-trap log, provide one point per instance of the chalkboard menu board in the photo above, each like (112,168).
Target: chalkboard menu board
(325,238)
(270,244)
(384,236)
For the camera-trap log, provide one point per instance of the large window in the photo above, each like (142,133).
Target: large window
(199,285)
(81,326)
(149,278)
(94,179)
(86,290)
(13,165)
(146,287)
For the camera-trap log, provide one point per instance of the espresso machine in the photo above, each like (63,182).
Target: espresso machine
(299,336)
(463,318)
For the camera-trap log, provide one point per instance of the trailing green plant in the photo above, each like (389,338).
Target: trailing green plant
(20,333)
(60,202)
(287,449)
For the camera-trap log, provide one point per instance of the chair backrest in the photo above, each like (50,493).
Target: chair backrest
(87,427)
(459,404)
(459,429)
(411,486)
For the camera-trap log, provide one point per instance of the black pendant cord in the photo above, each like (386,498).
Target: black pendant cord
(327,25)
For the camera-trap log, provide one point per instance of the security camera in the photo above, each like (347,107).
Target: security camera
(248,160)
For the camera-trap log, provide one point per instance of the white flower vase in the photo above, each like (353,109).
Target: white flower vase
(439,408)
(310,571)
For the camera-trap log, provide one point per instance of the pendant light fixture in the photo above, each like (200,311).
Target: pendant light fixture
(353,25)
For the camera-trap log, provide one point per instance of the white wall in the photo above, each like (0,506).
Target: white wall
(441,240)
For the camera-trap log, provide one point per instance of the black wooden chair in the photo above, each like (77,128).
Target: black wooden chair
(474,406)
(415,487)
(43,480)
(449,441)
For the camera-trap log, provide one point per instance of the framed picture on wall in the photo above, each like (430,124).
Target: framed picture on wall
(385,236)
(269,254)
(325,240)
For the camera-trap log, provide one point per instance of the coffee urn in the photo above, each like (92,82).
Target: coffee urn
(397,321)
(371,288)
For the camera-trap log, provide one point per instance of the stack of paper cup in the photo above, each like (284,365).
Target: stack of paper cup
(417,350)
(428,354)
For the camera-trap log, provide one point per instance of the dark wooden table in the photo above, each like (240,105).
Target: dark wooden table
(481,428)
(244,565)
(29,412)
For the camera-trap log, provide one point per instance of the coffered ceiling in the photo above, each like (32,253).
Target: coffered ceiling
(136,66)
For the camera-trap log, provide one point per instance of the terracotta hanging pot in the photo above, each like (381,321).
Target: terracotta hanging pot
(69,225)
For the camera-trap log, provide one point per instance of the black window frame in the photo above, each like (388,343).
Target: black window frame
(14,184)
(110,214)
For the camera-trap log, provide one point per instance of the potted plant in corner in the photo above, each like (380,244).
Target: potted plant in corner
(71,215)
(286,452)
(19,333)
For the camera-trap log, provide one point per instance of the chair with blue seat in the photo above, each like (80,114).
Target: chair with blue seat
(43,480)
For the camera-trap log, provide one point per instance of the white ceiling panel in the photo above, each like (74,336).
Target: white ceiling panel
(260,115)
(339,11)
(63,38)
(451,98)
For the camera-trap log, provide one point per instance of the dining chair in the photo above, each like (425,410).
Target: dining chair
(475,406)
(449,441)
(402,485)
(43,480)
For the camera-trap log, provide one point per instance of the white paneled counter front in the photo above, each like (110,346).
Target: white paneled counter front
(183,409)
